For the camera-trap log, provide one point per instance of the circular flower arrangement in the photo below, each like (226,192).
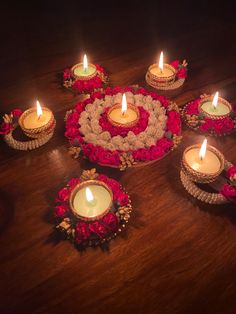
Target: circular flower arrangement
(198,121)
(85,86)
(156,133)
(95,231)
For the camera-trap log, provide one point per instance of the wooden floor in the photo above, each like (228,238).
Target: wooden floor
(177,255)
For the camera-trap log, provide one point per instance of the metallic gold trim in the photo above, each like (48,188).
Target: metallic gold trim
(164,80)
(84,78)
(129,124)
(82,185)
(210,98)
(197,176)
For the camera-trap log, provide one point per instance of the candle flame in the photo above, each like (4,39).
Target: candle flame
(202,152)
(85,63)
(215,100)
(89,195)
(124,104)
(161,62)
(39,109)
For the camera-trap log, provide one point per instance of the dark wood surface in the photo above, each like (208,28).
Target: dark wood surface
(177,255)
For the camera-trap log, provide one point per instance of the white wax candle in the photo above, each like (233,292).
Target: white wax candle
(80,71)
(210,164)
(32,121)
(101,201)
(129,116)
(220,110)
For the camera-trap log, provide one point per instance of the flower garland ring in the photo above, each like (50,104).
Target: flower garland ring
(92,231)
(205,124)
(226,193)
(85,85)
(90,133)
(180,74)
(10,123)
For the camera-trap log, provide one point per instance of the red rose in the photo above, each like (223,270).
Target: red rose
(66,74)
(141,91)
(99,68)
(82,232)
(156,152)
(72,119)
(97,95)
(173,123)
(103,178)
(109,157)
(218,126)
(77,140)
(122,198)
(228,124)
(113,185)
(228,191)
(79,107)
(87,149)
(231,172)
(6,128)
(165,144)
(98,229)
(181,73)
(72,132)
(142,154)
(110,221)
(175,64)
(192,108)
(16,113)
(206,126)
(63,195)
(73,182)
(61,210)
(94,155)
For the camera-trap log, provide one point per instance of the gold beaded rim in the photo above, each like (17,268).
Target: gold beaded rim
(35,130)
(210,98)
(82,185)
(128,125)
(87,77)
(199,176)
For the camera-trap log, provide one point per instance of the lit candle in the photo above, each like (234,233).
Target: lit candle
(162,70)
(203,161)
(124,114)
(215,107)
(85,69)
(36,118)
(91,200)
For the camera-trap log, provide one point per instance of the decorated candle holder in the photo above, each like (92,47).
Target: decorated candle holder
(85,78)
(92,209)
(198,175)
(167,76)
(141,132)
(40,129)
(200,115)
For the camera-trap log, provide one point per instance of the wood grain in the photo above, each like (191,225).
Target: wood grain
(177,255)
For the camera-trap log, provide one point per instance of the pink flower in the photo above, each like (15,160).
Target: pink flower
(218,126)
(206,126)
(107,157)
(110,221)
(6,128)
(156,152)
(99,68)
(173,123)
(228,191)
(72,132)
(175,64)
(142,154)
(82,232)
(114,186)
(79,107)
(228,124)
(165,144)
(192,108)
(16,113)
(122,198)
(72,119)
(66,74)
(231,173)
(103,178)
(63,195)
(73,182)
(61,210)
(97,95)
(181,73)
(98,229)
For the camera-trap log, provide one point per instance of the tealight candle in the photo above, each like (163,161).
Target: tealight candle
(91,200)
(84,70)
(36,119)
(125,115)
(204,163)
(215,107)
(164,73)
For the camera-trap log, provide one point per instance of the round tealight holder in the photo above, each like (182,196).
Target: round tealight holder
(160,81)
(201,177)
(127,124)
(84,77)
(222,101)
(95,213)
(40,135)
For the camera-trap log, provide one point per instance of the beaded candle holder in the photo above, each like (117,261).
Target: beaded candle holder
(85,78)
(167,76)
(38,127)
(197,175)
(92,209)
